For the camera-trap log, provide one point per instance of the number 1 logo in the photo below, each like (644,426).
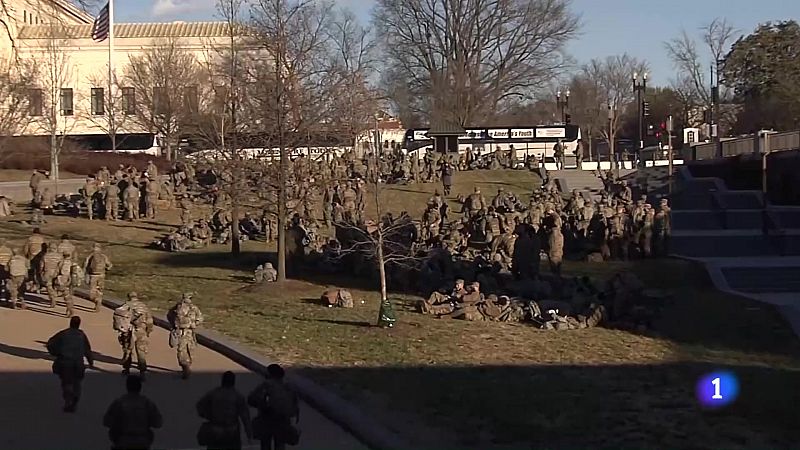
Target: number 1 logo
(717,383)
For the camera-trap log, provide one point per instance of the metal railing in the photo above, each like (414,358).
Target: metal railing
(778,142)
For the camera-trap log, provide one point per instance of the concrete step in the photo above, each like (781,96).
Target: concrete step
(763,279)
(786,218)
(743,219)
(722,246)
(693,201)
(696,220)
(740,199)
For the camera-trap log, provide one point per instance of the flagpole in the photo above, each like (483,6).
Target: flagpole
(112,118)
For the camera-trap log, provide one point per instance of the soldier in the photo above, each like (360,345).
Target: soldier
(65,246)
(47,201)
(131,197)
(36,180)
(619,231)
(5,257)
(555,240)
(70,347)
(224,408)
(70,275)
(18,269)
(89,190)
(111,200)
(475,202)
(131,418)
(152,171)
(184,317)
(415,170)
(95,267)
(277,405)
(661,229)
(646,232)
(185,205)
(133,323)
(153,190)
(579,150)
(104,176)
(34,244)
(447,178)
(48,271)
(270,275)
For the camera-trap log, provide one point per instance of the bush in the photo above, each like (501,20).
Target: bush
(29,155)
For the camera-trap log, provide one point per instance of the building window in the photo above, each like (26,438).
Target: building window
(66,102)
(98,102)
(35,102)
(129,100)
(190,101)
(160,100)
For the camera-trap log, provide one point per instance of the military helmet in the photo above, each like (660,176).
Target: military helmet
(132,295)
(187,296)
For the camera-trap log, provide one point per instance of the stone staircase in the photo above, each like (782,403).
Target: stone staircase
(583,180)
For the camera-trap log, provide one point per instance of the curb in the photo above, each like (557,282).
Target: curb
(330,405)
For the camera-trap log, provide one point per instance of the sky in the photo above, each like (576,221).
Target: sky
(609,27)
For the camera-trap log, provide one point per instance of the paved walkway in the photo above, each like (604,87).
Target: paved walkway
(30,399)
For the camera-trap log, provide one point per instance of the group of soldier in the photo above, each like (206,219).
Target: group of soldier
(53,267)
(132,417)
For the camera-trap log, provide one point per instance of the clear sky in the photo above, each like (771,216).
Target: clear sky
(636,27)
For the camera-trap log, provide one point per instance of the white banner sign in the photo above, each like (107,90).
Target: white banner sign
(522,133)
(551,132)
(420,135)
(498,133)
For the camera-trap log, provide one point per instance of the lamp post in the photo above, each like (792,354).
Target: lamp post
(639,87)
(612,155)
(715,106)
(563,104)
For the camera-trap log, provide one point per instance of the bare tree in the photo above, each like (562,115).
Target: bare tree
(16,79)
(694,66)
(296,91)
(55,74)
(588,106)
(165,79)
(464,59)
(609,80)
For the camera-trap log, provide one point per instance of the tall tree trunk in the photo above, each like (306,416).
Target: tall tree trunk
(381,266)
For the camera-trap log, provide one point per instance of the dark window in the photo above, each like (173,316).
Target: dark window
(66,102)
(160,100)
(35,102)
(98,102)
(190,101)
(128,100)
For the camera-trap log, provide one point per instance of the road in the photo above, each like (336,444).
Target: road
(30,413)
(21,193)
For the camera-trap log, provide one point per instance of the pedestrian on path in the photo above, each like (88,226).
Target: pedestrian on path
(224,408)
(70,347)
(277,405)
(184,318)
(130,419)
(133,323)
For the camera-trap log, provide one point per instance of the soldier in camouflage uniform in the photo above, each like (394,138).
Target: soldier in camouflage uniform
(111,198)
(185,205)
(89,191)
(48,271)
(95,268)
(67,279)
(153,189)
(134,332)
(18,268)
(184,318)
(5,257)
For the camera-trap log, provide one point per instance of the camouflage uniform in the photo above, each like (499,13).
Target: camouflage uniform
(185,205)
(184,317)
(153,190)
(112,201)
(64,284)
(89,190)
(131,196)
(95,268)
(48,272)
(5,257)
(135,339)
(18,268)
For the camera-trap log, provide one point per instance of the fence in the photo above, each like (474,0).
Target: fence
(778,142)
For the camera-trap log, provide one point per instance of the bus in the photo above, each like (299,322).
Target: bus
(532,140)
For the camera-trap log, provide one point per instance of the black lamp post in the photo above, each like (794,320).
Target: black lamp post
(563,104)
(639,87)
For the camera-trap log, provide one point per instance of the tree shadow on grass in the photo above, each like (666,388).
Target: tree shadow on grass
(566,406)
(246,261)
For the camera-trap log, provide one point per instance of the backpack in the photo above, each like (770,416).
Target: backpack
(122,319)
(97,264)
(344,299)
(185,316)
(141,317)
(76,275)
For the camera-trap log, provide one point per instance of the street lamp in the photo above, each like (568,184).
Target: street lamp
(639,87)
(562,103)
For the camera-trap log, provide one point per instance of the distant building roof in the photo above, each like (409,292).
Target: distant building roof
(445,127)
(132,30)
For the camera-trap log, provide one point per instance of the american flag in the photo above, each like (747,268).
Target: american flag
(101,24)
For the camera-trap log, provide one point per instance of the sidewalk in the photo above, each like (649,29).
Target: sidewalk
(31,416)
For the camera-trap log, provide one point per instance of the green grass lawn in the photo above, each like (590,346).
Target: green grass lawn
(478,385)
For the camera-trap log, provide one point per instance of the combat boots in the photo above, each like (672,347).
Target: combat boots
(185,372)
